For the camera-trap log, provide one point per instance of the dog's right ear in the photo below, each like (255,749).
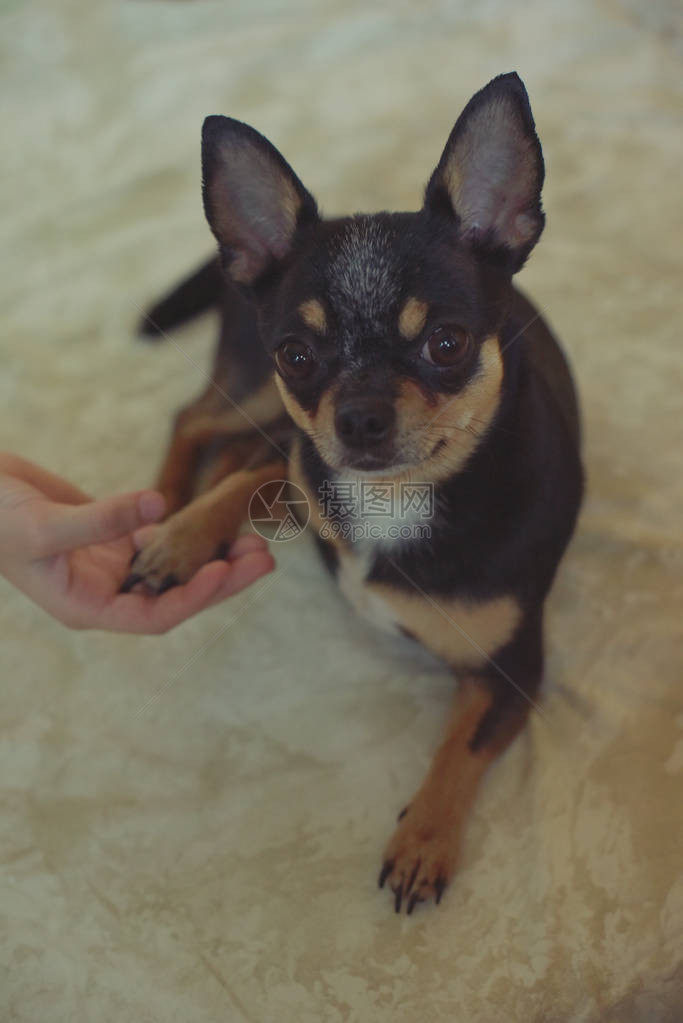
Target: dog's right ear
(253,200)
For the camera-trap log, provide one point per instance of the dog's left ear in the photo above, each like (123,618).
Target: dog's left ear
(491,174)
(253,200)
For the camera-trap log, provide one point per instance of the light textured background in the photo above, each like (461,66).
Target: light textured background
(191,825)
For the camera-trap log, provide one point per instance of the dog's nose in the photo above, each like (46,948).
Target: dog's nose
(365,422)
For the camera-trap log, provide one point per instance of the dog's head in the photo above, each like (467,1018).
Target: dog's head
(384,328)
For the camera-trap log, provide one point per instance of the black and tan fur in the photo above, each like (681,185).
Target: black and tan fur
(402,352)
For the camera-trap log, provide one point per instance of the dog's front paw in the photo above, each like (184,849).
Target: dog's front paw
(173,553)
(420,858)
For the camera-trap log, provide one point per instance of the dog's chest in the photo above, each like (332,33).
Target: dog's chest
(359,533)
(375,519)
(353,566)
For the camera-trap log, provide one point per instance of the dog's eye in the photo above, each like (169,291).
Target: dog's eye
(447,346)
(295,359)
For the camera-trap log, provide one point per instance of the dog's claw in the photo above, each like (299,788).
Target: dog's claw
(399,898)
(402,814)
(168,583)
(384,874)
(411,879)
(414,899)
(130,581)
(439,887)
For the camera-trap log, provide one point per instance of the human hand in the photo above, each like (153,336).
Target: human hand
(70,554)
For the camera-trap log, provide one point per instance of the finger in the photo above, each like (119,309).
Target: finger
(250,543)
(244,571)
(67,527)
(211,585)
(142,613)
(180,603)
(146,613)
(143,535)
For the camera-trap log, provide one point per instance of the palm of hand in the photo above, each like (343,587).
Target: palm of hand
(80,583)
(90,575)
(87,582)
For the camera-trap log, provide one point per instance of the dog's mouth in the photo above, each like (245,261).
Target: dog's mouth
(368,462)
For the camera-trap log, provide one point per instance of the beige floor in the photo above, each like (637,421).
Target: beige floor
(191,825)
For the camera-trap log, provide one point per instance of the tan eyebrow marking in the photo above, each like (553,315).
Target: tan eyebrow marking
(412,318)
(313,315)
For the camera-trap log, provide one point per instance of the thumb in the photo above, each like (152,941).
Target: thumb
(70,526)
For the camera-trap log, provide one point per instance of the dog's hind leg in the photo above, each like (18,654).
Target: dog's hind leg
(211,418)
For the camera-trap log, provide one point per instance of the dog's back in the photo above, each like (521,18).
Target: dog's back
(544,354)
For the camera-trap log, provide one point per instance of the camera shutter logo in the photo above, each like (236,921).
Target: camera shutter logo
(279,510)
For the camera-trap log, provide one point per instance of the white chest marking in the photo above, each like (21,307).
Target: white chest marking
(372,533)
(351,573)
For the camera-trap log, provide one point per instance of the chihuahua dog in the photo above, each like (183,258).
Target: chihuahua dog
(392,349)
